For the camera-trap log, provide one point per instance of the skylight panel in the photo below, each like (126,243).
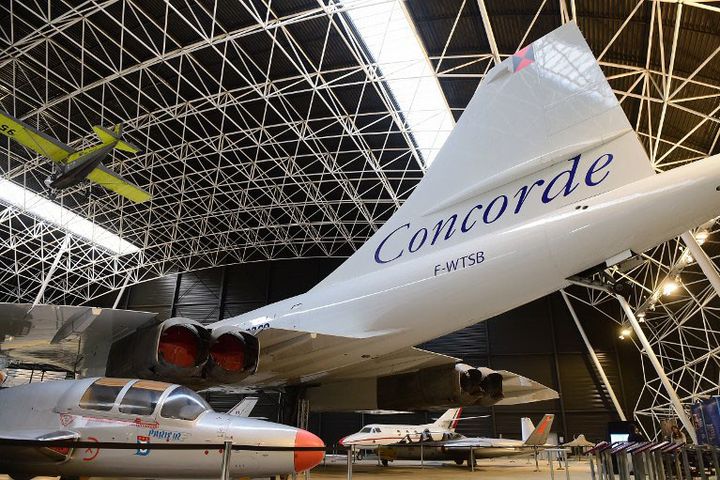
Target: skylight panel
(390,37)
(33,204)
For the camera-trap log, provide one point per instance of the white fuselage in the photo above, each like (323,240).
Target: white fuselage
(403,304)
(374,435)
(124,441)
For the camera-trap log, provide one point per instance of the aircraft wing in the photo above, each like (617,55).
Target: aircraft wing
(37,141)
(38,435)
(518,389)
(283,351)
(70,337)
(114,181)
(470,442)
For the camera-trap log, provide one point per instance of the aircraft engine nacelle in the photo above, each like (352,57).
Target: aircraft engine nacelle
(184,351)
(446,385)
(233,355)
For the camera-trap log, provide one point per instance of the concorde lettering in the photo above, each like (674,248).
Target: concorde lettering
(595,174)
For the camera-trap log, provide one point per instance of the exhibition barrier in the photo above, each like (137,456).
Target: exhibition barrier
(653,461)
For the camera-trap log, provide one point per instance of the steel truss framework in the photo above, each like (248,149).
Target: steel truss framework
(269,133)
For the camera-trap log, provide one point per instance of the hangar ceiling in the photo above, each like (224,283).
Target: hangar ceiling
(270,131)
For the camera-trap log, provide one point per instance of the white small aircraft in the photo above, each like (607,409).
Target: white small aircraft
(385,434)
(458,449)
(542,178)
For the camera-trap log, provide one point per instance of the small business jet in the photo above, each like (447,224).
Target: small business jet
(139,428)
(542,178)
(73,167)
(458,449)
(386,434)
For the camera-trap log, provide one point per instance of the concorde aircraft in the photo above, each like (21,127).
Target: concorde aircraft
(139,428)
(541,179)
(73,167)
(458,447)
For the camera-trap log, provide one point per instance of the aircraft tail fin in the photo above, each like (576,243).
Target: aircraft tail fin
(543,131)
(115,135)
(244,408)
(527,428)
(449,419)
(539,435)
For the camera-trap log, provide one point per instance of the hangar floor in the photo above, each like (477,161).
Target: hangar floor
(498,469)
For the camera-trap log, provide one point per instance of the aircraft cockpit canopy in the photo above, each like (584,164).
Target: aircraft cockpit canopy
(141,397)
(184,404)
(370,430)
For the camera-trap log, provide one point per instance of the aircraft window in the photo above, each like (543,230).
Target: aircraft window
(142,398)
(366,430)
(184,404)
(377,430)
(101,394)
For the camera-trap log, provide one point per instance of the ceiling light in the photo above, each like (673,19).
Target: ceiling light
(625,332)
(701,236)
(390,37)
(670,286)
(621,337)
(30,203)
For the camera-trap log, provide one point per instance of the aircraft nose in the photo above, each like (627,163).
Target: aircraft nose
(311,450)
(342,441)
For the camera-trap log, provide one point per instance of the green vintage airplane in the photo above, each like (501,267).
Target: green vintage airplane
(73,167)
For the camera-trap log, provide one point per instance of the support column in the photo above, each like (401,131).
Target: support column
(674,399)
(122,290)
(703,260)
(596,361)
(48,277)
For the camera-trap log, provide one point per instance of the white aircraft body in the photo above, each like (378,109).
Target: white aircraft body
(375,434)
(139,428)
(458,449)
(542,178)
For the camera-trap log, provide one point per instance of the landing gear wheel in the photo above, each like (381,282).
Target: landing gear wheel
(384,462)
(459,461)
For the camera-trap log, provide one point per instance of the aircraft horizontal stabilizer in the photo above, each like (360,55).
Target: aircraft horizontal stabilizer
(109,136)
(114,181)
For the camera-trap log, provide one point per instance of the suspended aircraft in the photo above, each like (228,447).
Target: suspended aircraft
(457,448)
(542,178)
(139,428)
(73,167)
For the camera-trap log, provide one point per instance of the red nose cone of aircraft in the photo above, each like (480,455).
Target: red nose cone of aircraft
(307,459)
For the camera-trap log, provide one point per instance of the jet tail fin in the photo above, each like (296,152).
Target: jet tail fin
(540,434)
(543,131)
(527,428)
(244,408)
(115,135)
(449,419)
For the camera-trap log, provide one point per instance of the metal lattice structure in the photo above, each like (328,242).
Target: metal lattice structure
(270,132)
